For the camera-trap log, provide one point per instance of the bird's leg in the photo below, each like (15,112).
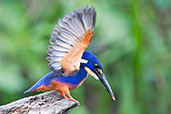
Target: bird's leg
(70,97)
(63,95)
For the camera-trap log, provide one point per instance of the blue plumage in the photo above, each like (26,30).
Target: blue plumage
(41,81)
(92,59)
(75,80)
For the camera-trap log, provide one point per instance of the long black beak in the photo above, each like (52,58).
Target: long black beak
(106,84)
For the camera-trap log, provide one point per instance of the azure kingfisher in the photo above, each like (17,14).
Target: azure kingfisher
(68,60)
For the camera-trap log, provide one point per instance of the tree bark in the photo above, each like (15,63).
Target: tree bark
(45,103)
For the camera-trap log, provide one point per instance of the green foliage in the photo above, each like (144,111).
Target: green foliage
(132,40)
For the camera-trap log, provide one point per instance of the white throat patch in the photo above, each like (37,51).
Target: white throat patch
(91,73)
(84,61)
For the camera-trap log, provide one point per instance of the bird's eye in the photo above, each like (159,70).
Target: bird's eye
(96,66)
(98,69)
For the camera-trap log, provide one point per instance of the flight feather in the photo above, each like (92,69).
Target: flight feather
(70,38)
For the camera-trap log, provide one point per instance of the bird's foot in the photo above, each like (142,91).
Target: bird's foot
(69,96)
(71,99)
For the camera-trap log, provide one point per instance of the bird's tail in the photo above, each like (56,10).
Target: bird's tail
(40,82)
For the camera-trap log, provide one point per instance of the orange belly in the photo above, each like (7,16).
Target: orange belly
(57,86)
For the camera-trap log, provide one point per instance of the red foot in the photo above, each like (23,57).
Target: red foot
(63,95)
(73,100)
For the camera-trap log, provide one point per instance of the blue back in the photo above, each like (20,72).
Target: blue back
(73,80)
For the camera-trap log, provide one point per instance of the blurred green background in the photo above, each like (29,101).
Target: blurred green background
(132,39)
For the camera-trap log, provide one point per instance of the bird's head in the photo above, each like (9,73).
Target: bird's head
(93,67)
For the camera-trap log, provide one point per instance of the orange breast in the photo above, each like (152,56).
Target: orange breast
(60,86)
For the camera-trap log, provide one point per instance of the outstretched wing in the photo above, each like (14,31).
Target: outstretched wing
(70,38)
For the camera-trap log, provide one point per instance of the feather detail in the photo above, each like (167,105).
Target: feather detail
(70,38)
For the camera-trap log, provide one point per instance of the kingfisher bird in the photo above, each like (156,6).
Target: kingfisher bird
(69,62)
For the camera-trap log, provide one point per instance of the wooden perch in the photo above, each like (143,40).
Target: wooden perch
(45,103)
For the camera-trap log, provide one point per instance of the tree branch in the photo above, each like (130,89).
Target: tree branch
(45,103)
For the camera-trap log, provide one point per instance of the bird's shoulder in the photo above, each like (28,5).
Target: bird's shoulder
(60,73)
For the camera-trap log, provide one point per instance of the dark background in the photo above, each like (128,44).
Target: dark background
(132,39)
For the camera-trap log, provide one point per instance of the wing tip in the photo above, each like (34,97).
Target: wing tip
(90,13)
(70,29)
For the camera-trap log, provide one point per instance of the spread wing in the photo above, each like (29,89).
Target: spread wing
(70,38)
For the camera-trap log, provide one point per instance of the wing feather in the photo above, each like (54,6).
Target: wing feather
(70,38)
(57,48)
